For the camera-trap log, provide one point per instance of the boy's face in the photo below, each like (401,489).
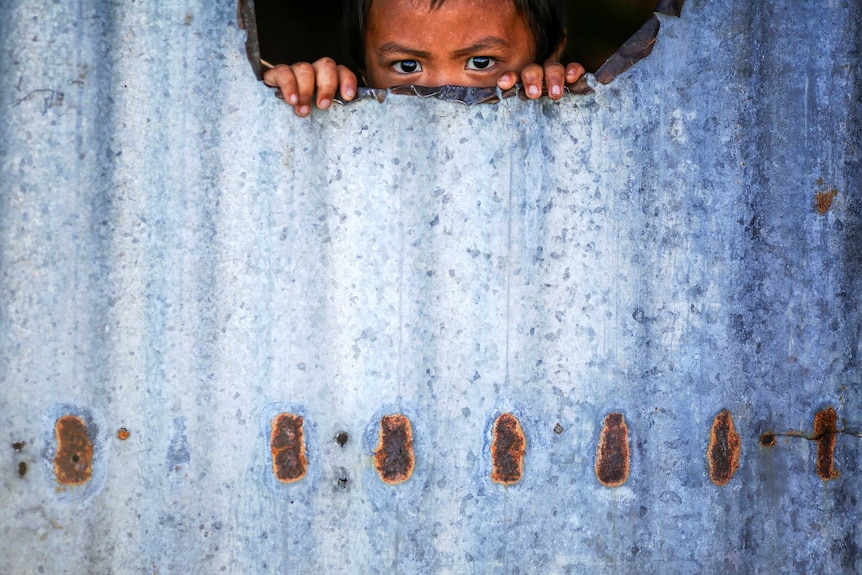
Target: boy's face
(462,42)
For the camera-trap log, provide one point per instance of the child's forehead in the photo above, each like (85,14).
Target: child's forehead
(444,21)
(477,12)
(430,6)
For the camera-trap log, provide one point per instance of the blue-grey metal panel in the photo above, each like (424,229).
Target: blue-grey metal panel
(183,258)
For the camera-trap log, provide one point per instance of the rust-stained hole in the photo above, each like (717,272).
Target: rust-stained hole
(507,450)
(287,443)
(123,434)
(724,449)
(612,454)
(22,468)
(825,431)
(341,438)
(343,481)
(73,461)
(558,429)
(394,455)
(18,446)
(767,439)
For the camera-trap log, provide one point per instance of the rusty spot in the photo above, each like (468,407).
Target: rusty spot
(394,455)
(767,439)
(22,468)
(18,446)
(122,434)
(73,461)
(507,450)
(287,443)
(824,200)
(724,449)
(612,453)
(558,429)
(341,438)
(825,431)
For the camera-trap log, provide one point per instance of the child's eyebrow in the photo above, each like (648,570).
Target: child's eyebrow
(486,43)
(395,48)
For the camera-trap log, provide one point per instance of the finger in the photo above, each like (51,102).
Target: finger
(574,71)
(282,77)
(346,83)
(304,74)
(554,79)
(531,78)
(326,79)
(507,80)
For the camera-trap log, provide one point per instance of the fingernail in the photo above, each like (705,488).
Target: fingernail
(533,90)
(324,104)
(555,90)
(348,92)
(303,110)
(293,99)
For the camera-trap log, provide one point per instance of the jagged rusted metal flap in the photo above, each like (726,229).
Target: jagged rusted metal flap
(247,19)
(670,7)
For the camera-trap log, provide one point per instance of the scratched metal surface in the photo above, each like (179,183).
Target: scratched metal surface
(181,257)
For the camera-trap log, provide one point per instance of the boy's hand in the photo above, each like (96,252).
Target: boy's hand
(555,76)
(298,83)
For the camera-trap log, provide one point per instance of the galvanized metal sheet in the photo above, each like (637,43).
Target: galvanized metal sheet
(182,260)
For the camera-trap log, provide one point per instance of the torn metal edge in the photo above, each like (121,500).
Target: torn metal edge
(247,20)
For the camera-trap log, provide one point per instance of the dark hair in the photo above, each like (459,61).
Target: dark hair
(546,19)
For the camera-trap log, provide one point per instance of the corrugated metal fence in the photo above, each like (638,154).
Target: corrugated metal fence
(559,300)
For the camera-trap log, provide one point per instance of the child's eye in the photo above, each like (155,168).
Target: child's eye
(480,62)
(407,66)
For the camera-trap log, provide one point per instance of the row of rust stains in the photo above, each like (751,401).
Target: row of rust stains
(394,458)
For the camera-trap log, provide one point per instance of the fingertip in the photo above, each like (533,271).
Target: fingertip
(506,81)
(348,89)
(556,91)
(574,72)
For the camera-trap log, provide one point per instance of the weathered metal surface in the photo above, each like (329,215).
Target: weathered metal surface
(724,449)
(612,452)
(393,457)
(247,20)
(74,455)
(507,450)
(825,432)
(183,258)
(287,442)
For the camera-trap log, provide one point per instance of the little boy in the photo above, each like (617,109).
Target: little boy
(475,43)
